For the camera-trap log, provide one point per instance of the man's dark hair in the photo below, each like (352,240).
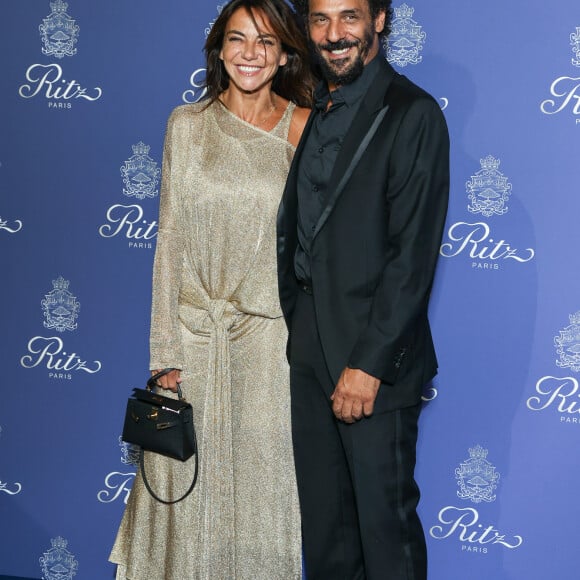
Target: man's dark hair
(375,7)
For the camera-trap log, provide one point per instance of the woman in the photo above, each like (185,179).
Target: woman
(217,318)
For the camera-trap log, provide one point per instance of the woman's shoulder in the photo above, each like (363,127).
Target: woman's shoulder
(297,124)
(300,116)
(188,113)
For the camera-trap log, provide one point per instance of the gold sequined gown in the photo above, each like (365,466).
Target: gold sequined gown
(216,315)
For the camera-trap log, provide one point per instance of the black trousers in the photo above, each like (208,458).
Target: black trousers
(358,496)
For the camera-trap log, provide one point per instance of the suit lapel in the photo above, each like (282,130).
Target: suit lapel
(364,125)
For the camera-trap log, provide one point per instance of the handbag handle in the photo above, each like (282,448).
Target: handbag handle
(152,381)
(151,384)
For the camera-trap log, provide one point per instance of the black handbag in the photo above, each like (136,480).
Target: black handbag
(162,425)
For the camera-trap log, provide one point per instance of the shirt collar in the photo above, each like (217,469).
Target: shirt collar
(349,94)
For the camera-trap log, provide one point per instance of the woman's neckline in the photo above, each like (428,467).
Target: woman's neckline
(256,127)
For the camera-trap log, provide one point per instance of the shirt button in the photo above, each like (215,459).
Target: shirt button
(321,150)
(315,188)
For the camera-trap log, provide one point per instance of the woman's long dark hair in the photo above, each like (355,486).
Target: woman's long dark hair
(293,81)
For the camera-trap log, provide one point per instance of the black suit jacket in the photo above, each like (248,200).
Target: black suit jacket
(376,244)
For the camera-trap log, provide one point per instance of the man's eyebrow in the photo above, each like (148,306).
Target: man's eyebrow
(348,12)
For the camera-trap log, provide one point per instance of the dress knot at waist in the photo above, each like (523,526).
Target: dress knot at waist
(222,313)
(215,315)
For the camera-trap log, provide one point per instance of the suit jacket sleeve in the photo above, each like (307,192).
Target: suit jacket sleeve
(417,196)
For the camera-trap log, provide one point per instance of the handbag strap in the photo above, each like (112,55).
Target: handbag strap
(151,384)
(170,501)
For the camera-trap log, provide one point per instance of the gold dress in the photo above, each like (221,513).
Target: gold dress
(216,315)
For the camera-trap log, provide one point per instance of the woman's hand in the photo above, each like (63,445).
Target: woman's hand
(170,380)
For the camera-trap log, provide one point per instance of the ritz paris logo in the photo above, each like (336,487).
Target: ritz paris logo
(141,175)
(59,35)
(198,89)
(118,484)
(565,90)
(488,191)
(60,310)
(561,394)
(477,481)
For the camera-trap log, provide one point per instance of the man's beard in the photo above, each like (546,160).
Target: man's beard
(338,75)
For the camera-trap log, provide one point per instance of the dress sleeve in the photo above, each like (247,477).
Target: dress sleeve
(165,338)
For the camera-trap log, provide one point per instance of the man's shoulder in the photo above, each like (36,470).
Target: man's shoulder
(397,89)
(407,91)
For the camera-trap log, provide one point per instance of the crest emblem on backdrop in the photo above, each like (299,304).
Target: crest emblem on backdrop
(140,173)
(568,344)
(405,43)
(488,190)
(58,563)
(476,477)
(219,8)
(60,307)
(575,42)
(129,453)
(59,32)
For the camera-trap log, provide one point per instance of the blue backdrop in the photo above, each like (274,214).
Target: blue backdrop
(86,89)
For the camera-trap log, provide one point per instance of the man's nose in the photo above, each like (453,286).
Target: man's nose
(335,30)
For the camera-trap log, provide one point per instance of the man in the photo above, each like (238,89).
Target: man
(359,230)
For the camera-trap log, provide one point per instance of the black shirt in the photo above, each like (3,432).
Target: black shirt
(321,148)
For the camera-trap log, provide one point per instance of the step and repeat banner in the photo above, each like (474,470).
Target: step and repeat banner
(86,89)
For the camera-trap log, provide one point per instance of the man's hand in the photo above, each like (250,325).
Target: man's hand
(170,380)
(354,395)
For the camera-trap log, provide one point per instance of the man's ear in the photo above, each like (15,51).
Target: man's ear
(380,21)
